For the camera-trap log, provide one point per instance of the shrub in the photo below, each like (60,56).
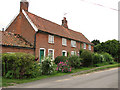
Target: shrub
(35,70)
(108,58)
(63,67)
(75,61)
(80,51)
(60,59)
(87,58)
(47,66)
(18,65)
(97,58)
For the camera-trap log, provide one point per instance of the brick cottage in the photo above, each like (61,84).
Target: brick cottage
(32,34)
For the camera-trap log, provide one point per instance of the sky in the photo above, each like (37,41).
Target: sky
(96,19)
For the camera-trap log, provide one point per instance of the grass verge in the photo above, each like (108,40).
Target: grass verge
(9,82)
(98,69)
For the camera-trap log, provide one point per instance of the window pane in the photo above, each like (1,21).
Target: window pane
(64,41)
(51,39)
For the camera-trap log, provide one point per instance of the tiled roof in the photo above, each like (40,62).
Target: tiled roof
(51,27)
(12,39)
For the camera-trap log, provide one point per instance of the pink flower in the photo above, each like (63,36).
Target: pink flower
(60,62)
(57,69)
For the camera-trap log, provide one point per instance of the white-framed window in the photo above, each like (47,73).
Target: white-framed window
(64,53)
(84,46)
(73,53)
(51,53)
(64,41)
(51,39)
(89,47)
(73,43)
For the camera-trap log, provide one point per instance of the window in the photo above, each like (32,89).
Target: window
(51,39)
(64,41)
(73,43)
(73,53)
(89,47)
(84,46)
(51,53)
(64,53)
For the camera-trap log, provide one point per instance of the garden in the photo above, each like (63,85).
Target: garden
(21,67)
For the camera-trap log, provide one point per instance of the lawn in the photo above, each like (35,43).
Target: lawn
(10,82)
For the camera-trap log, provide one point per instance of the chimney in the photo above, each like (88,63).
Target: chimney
(24,5)
(64,22)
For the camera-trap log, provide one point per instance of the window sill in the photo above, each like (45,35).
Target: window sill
(50,43)
(73,46)
(64,45)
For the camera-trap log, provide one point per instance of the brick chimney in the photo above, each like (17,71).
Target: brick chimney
(64,22)
(24,5)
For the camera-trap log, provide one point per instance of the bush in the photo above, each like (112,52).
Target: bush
(47,66)
(63,67)
(97,58)
(87,58)
(108,58)
(75,61)
(18,65)
(60,59)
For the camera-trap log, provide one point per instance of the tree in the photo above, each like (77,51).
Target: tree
(95,42)
(110,46)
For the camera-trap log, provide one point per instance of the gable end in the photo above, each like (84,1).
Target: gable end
(29,20)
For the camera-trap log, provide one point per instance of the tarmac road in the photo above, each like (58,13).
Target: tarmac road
(101,79)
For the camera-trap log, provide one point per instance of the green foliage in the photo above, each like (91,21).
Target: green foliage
(18,65)
(80,51)
(47,66)
(60,58)
(95,42)
(110,46)
(108,58)
(87,58)
(75,61)
(97,58)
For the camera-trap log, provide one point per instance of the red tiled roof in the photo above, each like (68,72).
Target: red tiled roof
(53,28)
(12,39)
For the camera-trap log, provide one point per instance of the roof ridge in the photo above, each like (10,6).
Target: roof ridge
(44,18)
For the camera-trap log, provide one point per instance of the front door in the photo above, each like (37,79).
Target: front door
(41,54)
(63,53)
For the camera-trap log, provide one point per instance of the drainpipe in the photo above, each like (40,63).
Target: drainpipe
(35,42)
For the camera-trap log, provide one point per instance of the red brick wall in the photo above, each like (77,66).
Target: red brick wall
(13,49)
(42,42)
(21,26)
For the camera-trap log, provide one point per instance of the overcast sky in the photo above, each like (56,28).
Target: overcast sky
(85,16)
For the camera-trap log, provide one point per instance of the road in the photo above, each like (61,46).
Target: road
(101,79)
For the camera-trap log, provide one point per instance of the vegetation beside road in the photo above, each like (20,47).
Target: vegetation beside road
(11,82)
(22,68)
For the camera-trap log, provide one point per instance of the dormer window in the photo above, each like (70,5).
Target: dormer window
(50,39)
(64,42)
(73,43)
